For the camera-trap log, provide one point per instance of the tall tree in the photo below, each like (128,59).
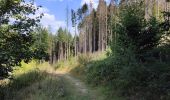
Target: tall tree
(74,24)
(41,43)
(67,23)
(102,13)
(84,11)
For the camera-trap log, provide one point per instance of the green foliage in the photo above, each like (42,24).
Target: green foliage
(16,36)
(134,31)
(22,78)
(63,36)
(100,72)
(66,65)
(81,12)
(41,44)
(26,75)
(52,88)
(138,67)
(73,18)
(27,79)
(84,59)
(31,81)
(60,64)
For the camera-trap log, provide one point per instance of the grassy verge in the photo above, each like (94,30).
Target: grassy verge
(34,82)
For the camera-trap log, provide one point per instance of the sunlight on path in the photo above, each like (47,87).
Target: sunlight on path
(77,86)
(81,88)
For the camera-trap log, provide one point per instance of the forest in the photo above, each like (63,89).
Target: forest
(117,51)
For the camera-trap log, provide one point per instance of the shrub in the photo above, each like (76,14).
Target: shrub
(84,59)
(100,72)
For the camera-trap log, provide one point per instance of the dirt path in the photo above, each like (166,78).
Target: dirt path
(78,88)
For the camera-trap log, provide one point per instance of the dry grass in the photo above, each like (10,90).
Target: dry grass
(31,82)
(77,62)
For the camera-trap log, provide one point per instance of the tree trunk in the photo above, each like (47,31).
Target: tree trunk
(85,40)
(75,42)
(106,31)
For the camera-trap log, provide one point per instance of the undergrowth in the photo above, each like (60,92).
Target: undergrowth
(32,82)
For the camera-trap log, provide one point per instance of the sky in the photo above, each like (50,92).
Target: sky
(55,12)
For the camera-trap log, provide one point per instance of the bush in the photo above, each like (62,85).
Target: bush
(100,72)
(84,59)
(144,81)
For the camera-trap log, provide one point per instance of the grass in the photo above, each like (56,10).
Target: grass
(22,78)
(51,88)
(108,93)
(33,82)
(82,59)
(73,94)
(77,66)
(66,66)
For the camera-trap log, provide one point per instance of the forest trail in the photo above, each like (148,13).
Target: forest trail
(78,87)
